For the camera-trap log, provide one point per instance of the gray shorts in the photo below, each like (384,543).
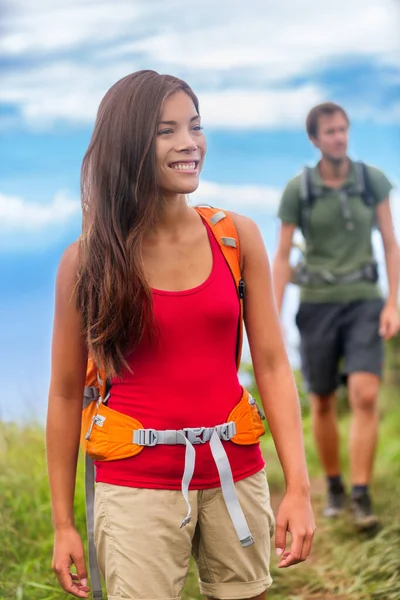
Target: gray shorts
(338,339)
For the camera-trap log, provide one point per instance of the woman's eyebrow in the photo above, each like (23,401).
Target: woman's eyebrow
(175,123)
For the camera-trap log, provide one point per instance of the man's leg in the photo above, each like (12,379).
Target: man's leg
(320,347)
(363,398)
(326,433)
(363,366)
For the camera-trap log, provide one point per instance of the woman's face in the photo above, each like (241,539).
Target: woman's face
(180,146)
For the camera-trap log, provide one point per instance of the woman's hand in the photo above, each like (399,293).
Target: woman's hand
(295,515)
(68,551)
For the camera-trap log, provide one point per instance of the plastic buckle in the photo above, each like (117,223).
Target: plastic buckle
(194,434)
(301,276)
(328,277)
(226,431)
(145,437)
(371,272)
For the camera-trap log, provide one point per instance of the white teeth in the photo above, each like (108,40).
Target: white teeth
(184,166)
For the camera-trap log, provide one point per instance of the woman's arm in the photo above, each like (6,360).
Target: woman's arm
(68,369)
(278,393)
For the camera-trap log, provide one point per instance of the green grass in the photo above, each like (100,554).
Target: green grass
(342,565)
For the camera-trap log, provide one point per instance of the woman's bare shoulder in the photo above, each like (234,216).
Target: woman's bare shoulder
(68,266)
(248,231)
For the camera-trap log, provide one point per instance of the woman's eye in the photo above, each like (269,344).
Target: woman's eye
(198,127)
(165,132)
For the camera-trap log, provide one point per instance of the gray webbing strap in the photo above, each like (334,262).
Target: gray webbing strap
(218,217)
(200,435)
(93,564)
(351,277)
(229,491)
(305,200)
(190,458)
(360,177)
(304,185)
(173,437)
(229,241)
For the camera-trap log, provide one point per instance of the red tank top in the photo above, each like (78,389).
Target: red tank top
(184,377)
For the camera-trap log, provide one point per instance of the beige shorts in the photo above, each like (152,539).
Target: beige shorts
(144,555)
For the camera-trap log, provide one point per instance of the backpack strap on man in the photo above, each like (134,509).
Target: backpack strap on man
(364,184)
(225,233)
(308,194)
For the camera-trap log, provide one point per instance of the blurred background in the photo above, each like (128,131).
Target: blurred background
(257,67)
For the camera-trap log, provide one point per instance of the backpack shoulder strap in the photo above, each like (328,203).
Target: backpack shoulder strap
(307,197)
(364,184)
(225,233)
(95,378)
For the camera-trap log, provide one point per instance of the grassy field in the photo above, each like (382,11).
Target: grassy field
(343,565)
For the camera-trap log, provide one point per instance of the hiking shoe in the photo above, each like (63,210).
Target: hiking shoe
(336,503)
(362,513)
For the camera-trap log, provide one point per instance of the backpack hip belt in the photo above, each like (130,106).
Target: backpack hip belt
(112,435)
(302,275)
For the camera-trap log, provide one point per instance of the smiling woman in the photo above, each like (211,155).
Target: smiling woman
(144,124)
(179,128)
(149,314)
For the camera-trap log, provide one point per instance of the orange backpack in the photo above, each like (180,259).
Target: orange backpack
(107,434)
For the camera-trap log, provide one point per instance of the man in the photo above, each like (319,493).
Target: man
(342,318)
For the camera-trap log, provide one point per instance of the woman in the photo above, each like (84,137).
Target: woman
(147,293)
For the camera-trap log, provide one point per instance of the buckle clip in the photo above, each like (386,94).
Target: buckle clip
(226,431)
(371,272)
(145,437)
(328,277)
(195,435)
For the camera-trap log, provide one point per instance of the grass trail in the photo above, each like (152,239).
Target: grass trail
(343,564)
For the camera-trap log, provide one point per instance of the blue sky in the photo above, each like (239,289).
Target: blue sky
(257,67)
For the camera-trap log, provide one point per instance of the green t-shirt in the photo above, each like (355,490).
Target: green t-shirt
(330,245)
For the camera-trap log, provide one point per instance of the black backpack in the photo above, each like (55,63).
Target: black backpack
(362,187)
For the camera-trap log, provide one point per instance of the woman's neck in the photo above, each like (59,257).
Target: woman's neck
(174,215)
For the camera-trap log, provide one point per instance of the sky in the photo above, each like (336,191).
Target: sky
(257,67)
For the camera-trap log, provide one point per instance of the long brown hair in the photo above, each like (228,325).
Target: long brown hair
(120,202)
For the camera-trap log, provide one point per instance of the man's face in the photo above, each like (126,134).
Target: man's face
(332,136)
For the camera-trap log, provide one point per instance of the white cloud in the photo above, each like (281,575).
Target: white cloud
(77,49)
(390,114)
(223,36)
(52,26)
(48,95)
(280,42)
(240,109)
(18,215)
(21,216)
(237,197)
